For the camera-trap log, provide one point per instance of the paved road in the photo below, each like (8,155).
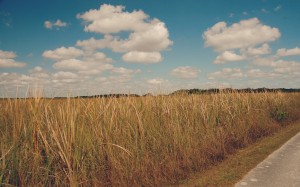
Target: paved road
(280,169)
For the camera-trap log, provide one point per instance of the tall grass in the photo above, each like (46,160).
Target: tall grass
(146,141)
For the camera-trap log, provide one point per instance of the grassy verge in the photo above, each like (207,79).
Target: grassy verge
(232,169)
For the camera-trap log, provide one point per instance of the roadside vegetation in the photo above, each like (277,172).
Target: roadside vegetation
(132,141)
(232,169)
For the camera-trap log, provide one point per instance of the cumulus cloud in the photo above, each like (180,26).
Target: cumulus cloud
(142,57)
(125,71)
(63,53)
(279,66)
(185,72)
(93,44)
(156,81)
(63,82)
(12,80)
(57,24)
(252,51)
(246,33)
(65,75)
(114,80)
(227,56)
(245,54)
(154,38)
(136,36)
(288,52)
(74,59)
(38,72)
(70,64)
(81,65)
(7,54)
(113,19)
(11,63)
(258,73)
(228,73)
(7,60)
(147,37)
(97,57)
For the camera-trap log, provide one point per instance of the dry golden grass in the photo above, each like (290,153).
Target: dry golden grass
(146,141)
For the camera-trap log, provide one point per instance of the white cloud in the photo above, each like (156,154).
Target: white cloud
(283,66)
(97,57)
(124,71)
(228,73)
(288,52)
(38,72)
(245,54)
(65,75)
(251,51)
(93,44)
(12,80)
(264,10)
(101,79)
(82,66)
(7,60)
(142,57)
(64,78)
(134,35)
(113,19)
(89,72)
(113,80)
(60,23)
(269,62)
(246,33)
(147,37)
(155,38)
(258,73)
(70,64)
(57,24)
(228,56)
(37,69)
(7,54)
(185,72)
(277,8)
(11,63)
(63,53)
(156,81)
(279,66)
(76,64)
(48,24)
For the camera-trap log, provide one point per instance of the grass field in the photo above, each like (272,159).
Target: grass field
(131,141)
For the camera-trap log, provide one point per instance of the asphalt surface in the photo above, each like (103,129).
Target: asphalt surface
(280,169)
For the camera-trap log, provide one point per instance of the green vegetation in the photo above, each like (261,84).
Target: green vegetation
(131,141)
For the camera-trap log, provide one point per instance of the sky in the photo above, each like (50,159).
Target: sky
(91,47)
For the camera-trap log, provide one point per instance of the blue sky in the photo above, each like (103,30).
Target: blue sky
(94,47)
